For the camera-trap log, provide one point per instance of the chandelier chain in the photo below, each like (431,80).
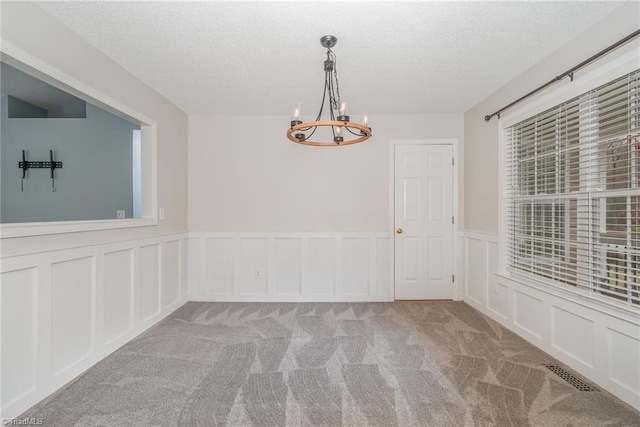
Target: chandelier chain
(335,102)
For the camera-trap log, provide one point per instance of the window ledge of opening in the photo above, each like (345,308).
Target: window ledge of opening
(12,230)
(577,296)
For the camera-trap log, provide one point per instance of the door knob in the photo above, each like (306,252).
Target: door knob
(399,230)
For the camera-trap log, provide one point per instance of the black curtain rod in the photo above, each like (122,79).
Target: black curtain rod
(568,73)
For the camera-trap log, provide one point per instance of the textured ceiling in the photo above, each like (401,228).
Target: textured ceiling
(258,58)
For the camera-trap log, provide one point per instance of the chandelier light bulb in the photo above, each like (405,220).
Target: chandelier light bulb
(297,112)
(296,115)
(337,135)
(342,111)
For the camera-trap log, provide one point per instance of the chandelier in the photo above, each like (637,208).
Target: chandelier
(343,131)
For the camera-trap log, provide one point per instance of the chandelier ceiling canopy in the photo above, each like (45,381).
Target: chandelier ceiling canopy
(342,130)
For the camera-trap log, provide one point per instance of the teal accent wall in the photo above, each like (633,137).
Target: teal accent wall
(18,109)
(96,179)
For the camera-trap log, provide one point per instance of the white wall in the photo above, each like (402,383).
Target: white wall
(245,175)
(67,300)
(32,30)
(597,340)
(481,138)
(314,221)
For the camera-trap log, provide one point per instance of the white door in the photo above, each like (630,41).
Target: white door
(423,221)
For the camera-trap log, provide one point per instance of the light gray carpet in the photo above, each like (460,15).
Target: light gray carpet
(385,364)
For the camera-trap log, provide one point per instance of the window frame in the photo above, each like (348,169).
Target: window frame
(26,62)
(599,73)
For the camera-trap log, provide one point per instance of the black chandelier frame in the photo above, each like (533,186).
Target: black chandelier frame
(302,132)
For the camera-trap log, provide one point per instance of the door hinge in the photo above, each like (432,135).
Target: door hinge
(453,220)
(453,162)
(453,278)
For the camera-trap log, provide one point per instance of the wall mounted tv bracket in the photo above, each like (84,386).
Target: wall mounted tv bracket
(52,165)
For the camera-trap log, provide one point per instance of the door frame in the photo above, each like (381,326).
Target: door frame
(456,214)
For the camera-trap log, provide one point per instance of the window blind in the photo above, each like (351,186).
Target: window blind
(572,192)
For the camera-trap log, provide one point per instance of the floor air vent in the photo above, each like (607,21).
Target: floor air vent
(570,378)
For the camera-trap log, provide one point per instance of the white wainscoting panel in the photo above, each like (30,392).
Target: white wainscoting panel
(381,265)
(118,294)
(73,312)
(598,341)
(356,258)
(320,277)
(64,310)
(217,262)
(476,267)
(192,265)
(171,270)
(528,314)
(289,267)
(497,296)
(19,332)
(149,301)
(625,350)
(253,266)
(573,335)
